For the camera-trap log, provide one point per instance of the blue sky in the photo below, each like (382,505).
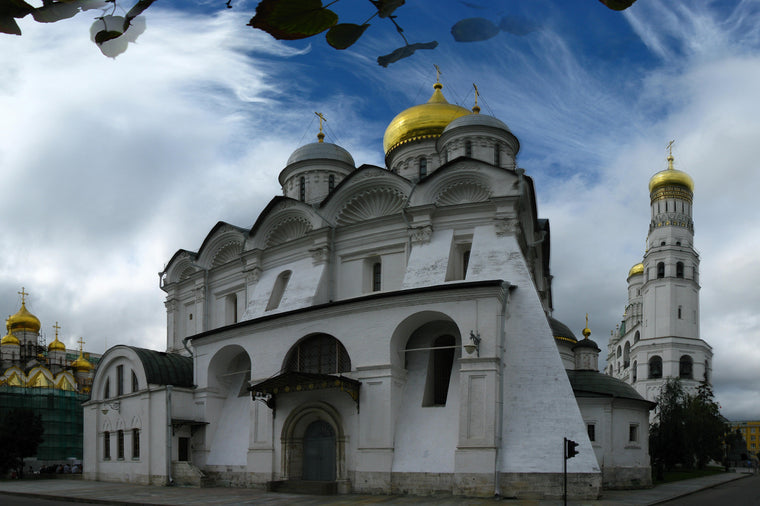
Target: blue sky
(111,165)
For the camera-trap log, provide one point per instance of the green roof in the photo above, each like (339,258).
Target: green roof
(163,368)
(596,384)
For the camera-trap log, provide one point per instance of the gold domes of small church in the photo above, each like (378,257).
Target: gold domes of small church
(422,121)
(636,269)
(671,176)
(26,362)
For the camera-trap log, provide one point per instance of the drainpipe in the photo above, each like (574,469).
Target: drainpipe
(169,479)
(500,404)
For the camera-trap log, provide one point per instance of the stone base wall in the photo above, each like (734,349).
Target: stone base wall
(622,478)
(550,485)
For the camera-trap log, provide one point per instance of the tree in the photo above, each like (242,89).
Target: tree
(283,19)
(705,426)
(688,430)
(20,435)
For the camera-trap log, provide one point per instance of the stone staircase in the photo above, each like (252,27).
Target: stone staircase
(304,487)
(187,475)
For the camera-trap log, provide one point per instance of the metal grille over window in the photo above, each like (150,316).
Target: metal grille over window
(321,354)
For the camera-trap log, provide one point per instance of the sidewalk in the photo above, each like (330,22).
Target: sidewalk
(99,492)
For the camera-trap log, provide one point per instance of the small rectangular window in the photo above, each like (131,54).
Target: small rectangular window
(119,380)
(120,444)
(633,433)
(107,446)
(591,431)
(135,443)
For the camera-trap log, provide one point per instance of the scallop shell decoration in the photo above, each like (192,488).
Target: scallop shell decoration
(463,192)
(288,230)
(227,253)
(371,204)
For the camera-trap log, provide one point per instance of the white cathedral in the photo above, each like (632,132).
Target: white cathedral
(659,335)
(377,330)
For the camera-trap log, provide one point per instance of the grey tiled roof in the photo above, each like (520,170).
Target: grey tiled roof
(596,384)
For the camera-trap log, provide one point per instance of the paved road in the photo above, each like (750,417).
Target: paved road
(739,492)
(17,500)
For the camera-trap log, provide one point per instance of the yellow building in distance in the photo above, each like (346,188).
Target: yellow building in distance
(750,431)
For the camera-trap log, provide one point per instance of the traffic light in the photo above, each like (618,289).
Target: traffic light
(570,449)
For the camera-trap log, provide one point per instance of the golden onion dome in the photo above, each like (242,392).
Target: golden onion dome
(56,345)
(636,269)
(9,339)
(422,121)
(669,177)
(23,320)
(81,364)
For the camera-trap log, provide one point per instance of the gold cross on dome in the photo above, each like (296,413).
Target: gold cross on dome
(57,328)
(81,343)
(321,134)
(669,147)
(23,295)
(437,73)
(586,320)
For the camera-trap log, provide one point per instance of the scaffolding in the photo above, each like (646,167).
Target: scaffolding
(62,418)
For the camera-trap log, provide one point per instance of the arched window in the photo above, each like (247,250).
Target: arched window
(278,290)
(467,148)
(331,182)
(634,372)
(497,154)
(135,384)
(439,371)
(120,445)
(685,367)
(302,188)
(107,389)
(655,367)
(707,371)
(661,270)
(680,311)
(319,354)
(627,354)
(423,167)
(679,269)
(619,352)
(636,337)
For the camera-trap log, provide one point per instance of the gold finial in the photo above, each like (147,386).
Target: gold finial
(669,147)
(23,295)
(57,328)
(437,73)
(320,135)
(476,107)
(586,331)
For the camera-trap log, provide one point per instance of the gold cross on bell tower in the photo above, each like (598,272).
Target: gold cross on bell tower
(669,147)
(437,73)
(476,107)
(23,295)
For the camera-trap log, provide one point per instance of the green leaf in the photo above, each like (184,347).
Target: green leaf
(404,52)
(14,8)
(50,13)
(618,5)
(105,35)
(9,25)
(474,30)
(386,7)
(344,35)
(293,19)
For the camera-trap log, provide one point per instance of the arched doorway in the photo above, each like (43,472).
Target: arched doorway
(319,452)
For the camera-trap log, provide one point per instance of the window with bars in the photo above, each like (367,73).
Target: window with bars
(107,446)
(120,444)
(320,354)
(135,443)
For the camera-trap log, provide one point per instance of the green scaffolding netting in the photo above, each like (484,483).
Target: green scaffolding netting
(62,418)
